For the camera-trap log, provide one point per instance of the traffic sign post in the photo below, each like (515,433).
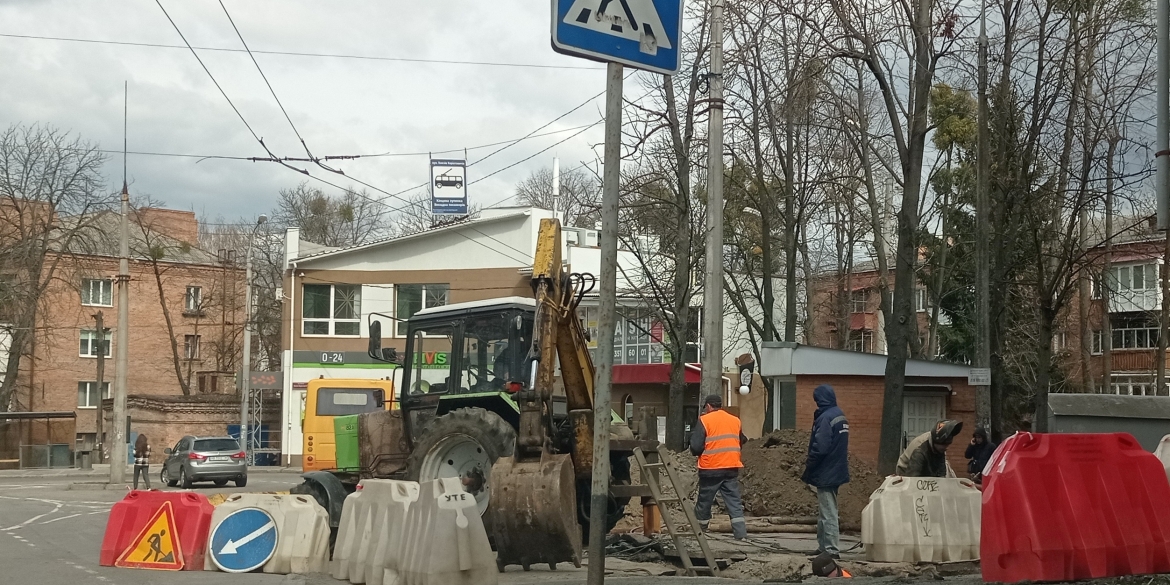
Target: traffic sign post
(244,541)
(644,34)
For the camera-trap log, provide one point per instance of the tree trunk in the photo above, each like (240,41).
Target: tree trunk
(184,384)
(1044,368)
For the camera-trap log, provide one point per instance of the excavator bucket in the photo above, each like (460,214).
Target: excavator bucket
(534,512)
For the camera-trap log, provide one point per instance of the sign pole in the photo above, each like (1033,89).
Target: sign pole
(599,495)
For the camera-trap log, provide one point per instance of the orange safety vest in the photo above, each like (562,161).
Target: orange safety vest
(721,451)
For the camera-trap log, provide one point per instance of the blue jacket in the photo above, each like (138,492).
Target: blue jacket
(828,447)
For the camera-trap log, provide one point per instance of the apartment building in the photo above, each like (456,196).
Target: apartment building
(185,321)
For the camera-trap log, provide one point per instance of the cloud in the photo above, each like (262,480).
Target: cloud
(340,106)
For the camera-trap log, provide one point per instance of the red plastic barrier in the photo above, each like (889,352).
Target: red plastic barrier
(158,530)
(1066,507)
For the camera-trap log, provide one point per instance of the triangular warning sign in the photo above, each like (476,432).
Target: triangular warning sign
(157,546)
(635,20)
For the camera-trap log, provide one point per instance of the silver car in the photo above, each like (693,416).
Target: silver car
(217,459)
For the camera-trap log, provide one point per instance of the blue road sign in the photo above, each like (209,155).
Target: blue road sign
(243,541)
(639,33)
(448,187)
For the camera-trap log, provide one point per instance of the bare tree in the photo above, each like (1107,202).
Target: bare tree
(344,220)
(415,215)
(50,187)
(580,195)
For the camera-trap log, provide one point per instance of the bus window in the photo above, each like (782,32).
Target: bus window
(347,401)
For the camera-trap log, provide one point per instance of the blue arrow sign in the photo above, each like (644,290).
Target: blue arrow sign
(639,33)
(243,541)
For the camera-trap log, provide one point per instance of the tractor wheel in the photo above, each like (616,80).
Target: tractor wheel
(619,474)
(464,443)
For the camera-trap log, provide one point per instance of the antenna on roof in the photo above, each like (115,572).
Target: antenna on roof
(125,124)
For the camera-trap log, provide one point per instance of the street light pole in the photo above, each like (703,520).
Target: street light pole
(712,359)
(246,370)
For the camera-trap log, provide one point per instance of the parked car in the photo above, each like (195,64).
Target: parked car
(216,459)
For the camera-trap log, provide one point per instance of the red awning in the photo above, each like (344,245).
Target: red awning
(651,374)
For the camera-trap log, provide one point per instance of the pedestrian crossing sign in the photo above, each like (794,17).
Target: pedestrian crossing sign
(157,546)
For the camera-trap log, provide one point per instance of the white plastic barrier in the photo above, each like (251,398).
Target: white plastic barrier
(445,542)
(373,521)
(1163,454)
(922,519)
(301,541)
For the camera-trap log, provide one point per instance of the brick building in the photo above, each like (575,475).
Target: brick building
(934,391)
(186,315)
(845,312)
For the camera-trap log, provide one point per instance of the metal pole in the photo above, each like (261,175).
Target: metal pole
(556,188)
(101,381)
(118,450)
(982,229)
(246,370)
(599,495)
(713,285)
(1162,104)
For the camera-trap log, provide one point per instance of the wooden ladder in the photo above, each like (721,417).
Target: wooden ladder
(650,477)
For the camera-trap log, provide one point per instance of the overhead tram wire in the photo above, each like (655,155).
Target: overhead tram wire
(350,156)
(303,54)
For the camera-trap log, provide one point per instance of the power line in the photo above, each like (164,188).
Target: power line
(265,78)
(302,54)
(352,156)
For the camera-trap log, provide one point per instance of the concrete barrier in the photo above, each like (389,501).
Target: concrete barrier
(157,530)
(371,531)
(445,542)
(921,519)
(1163,454)
(291,535)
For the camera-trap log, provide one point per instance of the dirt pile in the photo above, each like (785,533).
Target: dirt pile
(771,480)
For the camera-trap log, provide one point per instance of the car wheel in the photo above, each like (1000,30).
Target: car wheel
(184,479)
(220,482)
(243,481)
(165,477)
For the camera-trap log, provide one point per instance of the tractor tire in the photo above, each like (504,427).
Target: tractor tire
(463,442)
(619,474)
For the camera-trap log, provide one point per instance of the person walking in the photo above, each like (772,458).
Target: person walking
(142,460)
(827,466)
(716,440)
(979,451)
(926,455)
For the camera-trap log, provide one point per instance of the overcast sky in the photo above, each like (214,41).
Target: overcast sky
(340,105)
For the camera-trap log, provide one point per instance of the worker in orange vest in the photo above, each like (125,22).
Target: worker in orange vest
(716,441)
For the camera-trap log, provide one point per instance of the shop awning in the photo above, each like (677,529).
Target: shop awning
(652,374)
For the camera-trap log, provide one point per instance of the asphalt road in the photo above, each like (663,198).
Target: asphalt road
(51,534)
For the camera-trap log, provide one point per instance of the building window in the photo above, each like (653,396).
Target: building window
(332,309)
(193,301)
(859,301)
(191,347)
(1060,341)
(87,394)
(89,344)
(1132,278)
(97,292)
(861,340)
(413,298)
(921,300)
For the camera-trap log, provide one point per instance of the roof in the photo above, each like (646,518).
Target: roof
(1109,405)
(502,302)
(309,258)
(102,236)
(780,358)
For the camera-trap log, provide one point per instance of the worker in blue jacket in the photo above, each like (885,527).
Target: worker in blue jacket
(827,468)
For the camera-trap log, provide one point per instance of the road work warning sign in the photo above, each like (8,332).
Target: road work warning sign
(157,546)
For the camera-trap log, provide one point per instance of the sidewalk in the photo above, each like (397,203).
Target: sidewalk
(103,470)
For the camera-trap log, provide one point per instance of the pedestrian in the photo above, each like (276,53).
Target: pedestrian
(926,455)
(827,467)
(979,451)
(142,460)
(716,440)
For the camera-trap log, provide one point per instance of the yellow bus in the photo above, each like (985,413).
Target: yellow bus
(326,399)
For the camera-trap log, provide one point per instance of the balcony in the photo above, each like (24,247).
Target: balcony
(1129,300)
